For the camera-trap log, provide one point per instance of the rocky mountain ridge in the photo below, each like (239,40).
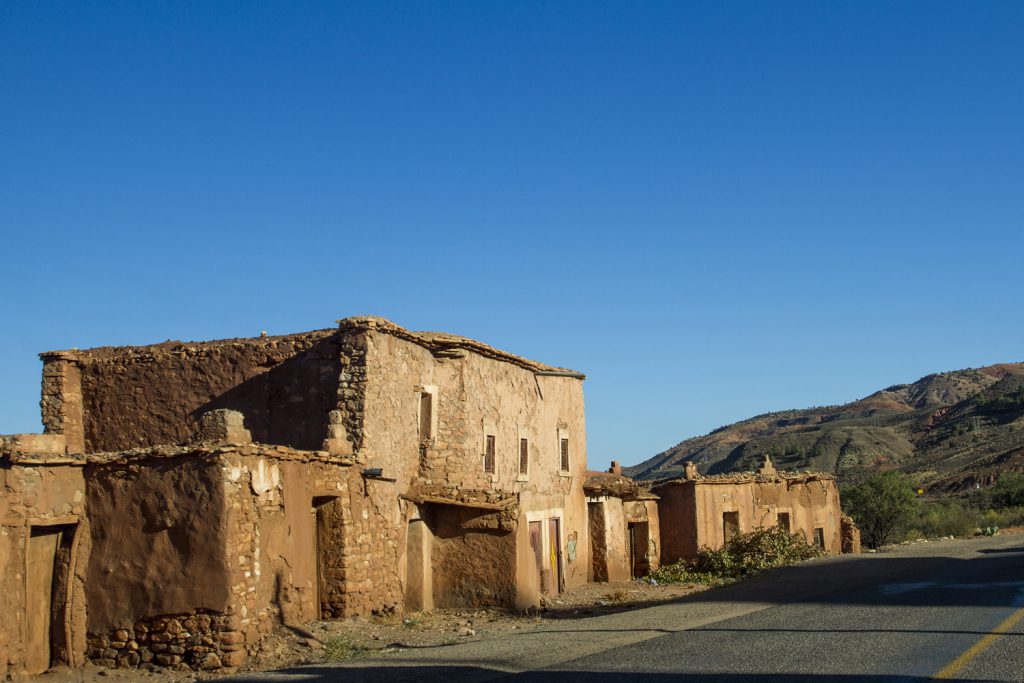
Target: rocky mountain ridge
(949,431)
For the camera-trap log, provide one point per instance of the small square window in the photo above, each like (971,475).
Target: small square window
(489,455)
(524,457)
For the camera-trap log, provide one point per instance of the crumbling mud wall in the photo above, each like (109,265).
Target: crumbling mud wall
(810,501)
(645,512)
(158,538)
(309,538)
(42,495)
(677,513)
(473,558)
(598,541)
(131,397)
(850,535)
(616,540)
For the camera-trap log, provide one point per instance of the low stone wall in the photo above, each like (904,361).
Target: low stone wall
(200,641)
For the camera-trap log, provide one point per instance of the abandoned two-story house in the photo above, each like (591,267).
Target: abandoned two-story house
(187,497)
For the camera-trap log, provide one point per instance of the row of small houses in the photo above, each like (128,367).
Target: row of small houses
(187,498)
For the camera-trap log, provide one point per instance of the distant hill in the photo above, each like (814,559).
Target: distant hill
(949,430)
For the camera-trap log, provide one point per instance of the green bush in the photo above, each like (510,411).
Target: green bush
(744,554)
(1008,491)
(945,518)
(884,507)
(1004,518)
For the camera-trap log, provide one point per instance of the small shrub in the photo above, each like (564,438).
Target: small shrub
(744,554)
(680,572)
(340,648)
(939,518)
(1007,517)
(1009,490)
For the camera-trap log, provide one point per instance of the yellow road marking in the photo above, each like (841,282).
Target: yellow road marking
(954,667)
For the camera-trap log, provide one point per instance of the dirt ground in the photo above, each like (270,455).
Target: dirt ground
(342,639)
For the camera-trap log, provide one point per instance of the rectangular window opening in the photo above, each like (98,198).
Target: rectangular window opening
(819,537)
(426,416)
(524,457)
(564,449)
(489,455)
(784,521)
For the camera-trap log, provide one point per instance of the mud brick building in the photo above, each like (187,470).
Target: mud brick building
(624,529)
(185,498)
(698,511)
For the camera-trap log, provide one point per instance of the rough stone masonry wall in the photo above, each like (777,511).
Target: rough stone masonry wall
(134,397)
(61,401)
(478,395)
(345,421)
(272,498)
(199,641)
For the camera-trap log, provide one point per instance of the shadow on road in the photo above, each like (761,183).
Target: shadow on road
(471,674)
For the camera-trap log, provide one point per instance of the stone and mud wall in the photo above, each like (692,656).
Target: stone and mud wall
(474,396)
(44,543)
(158,589)
(643,514)
(473,558)
(691,511)
(677,512)
(310,537)
(113,399)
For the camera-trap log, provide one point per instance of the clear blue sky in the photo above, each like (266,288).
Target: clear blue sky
(713,209)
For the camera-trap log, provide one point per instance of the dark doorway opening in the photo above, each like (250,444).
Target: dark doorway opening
(328,536)
(639,538)
(598,542)
(730,525)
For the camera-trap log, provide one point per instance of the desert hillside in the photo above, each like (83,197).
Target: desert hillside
(949,430)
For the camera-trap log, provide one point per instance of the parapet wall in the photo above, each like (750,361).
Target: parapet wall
(112,399)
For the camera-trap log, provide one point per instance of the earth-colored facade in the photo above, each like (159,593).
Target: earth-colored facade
(705,511)
(189,497)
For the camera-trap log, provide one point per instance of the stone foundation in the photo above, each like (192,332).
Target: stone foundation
(202,641)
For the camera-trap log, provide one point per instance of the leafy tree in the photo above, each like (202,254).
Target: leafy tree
(881,506)
(1009,490)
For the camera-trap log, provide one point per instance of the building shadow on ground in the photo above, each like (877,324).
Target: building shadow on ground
(472,674)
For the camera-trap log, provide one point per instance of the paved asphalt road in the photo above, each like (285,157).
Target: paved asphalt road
(953,609)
